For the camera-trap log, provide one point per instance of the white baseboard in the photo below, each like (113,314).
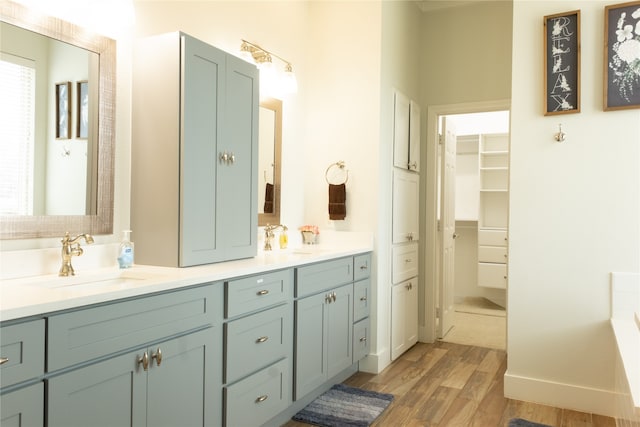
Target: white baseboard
(375,363)
(566,396)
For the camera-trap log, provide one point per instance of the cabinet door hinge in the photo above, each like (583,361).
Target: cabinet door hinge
(439,139)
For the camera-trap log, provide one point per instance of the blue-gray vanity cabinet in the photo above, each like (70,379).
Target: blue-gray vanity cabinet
(258,335)
(23,407)
(324,323)
(194,153)
(118,391)
(21,370)
(146,361)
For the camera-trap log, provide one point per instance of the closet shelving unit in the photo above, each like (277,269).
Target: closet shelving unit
(493,210)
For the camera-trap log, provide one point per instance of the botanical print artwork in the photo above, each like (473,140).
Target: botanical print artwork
(624,56)
(562,62)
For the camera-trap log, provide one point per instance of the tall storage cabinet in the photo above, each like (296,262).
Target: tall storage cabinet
(493,211)
(405,224)
(194,153)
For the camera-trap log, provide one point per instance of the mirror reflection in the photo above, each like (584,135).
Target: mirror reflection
(269,155)
(57,126)
(47,138)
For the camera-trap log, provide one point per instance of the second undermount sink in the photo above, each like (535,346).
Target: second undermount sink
(101,278)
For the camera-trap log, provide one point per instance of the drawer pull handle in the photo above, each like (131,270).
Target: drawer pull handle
(363,298)
(158,356)
(363,267)
(334,296)
(262,292)
(144,361)
(3,360)
(408,260)
(262,398)
(363,339)
(261,340)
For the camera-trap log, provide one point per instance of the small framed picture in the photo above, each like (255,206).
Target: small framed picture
(63,110)
(82,109)
(562,63)
(622,56)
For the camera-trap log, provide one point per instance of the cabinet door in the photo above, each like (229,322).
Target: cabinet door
(339,330)
(406,193)
(202,104)
(310,362)
(414,136)
(401,113)
(237,215)
(181,389)
(23,407)
(404,317)
(109,393)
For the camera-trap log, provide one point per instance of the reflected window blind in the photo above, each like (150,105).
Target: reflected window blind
(17,116)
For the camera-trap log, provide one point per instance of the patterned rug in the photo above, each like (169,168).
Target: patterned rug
(344,406)
(519,422)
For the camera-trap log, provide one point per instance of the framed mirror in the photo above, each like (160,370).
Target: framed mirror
(269,161)
(58,192)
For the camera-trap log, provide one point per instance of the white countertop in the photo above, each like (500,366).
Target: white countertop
(31,296)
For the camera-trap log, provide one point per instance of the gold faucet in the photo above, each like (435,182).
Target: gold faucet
(71,247)
(268,234)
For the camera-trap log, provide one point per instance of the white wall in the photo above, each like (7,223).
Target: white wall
(575,217)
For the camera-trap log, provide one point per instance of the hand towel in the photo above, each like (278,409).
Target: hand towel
(268,198)
(337,201)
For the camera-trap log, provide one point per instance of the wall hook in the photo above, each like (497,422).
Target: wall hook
(560,136)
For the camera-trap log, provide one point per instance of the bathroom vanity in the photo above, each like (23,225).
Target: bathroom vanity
(246,342)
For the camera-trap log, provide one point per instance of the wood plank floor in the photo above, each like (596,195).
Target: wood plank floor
(446,384)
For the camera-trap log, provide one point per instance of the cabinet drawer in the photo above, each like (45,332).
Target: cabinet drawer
(360,339)
(22,352)
(496,254)
(83,335)
(23,407)
(361,299)
(257,292)
(361,267)
(405,262)
(257,341)
(258,398)
(492,237)
(316,278)
(492,275)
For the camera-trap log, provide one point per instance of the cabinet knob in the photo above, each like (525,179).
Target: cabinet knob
(363,339)
(363,298)
(3,360)
(158,356)
(413,165)
(262,292)
(262,398)
(224,157)
(144,361)
(334,296)
(363,267)
(232,158)
(261,340)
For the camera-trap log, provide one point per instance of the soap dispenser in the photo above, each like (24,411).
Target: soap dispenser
(284,238)
(125,254)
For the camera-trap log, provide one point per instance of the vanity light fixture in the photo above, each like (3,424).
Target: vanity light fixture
(271,80)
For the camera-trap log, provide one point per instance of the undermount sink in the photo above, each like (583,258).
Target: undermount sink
(98,278)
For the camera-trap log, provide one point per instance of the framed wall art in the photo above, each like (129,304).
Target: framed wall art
(562,63)
(63,110)
(82,109)
(622,56)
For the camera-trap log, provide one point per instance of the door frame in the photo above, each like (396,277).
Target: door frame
(427,331)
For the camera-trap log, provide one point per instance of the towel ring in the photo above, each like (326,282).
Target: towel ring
(334,172)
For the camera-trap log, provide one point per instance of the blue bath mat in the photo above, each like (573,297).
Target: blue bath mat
(344,406)
(519,422)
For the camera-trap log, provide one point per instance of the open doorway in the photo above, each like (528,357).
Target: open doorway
(469,286)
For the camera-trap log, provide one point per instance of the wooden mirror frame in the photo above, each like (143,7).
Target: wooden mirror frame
(274,105)
(26,227)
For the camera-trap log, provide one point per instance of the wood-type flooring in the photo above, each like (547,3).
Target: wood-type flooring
(447,384)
